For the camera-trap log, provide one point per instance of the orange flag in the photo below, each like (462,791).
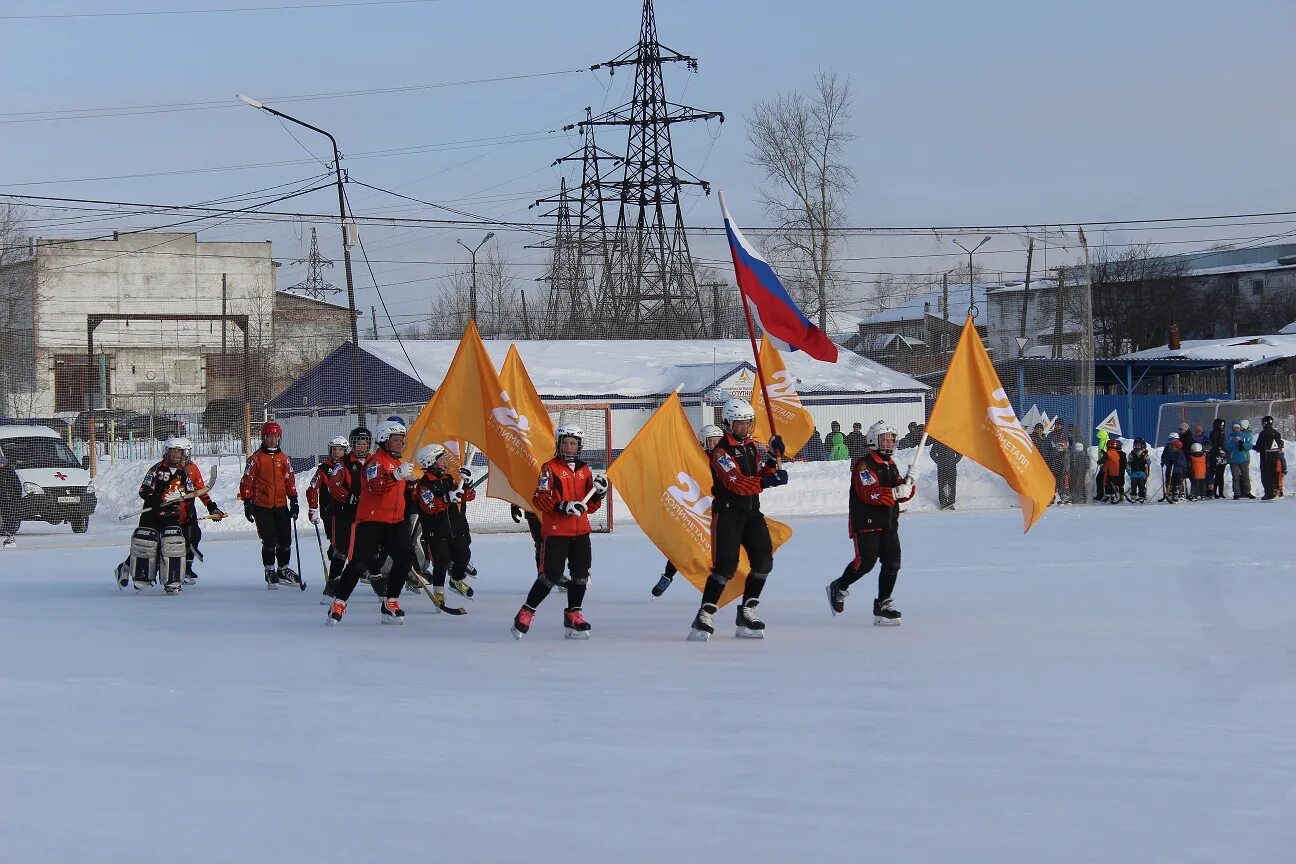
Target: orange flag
(664,477)
(791,418)
(474,406)
(524,401)
(973,416)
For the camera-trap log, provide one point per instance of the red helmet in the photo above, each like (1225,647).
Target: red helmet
(271,428)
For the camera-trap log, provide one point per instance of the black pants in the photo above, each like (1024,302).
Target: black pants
(193,535)
(573,554)
(670,570)
(338,527)
(371,541)
(1269,474)
(733,529)
(1114,485)
(533,525)
(275,530)
(871,547)
(1216,479)
(447,554)
(946,484)
(1138,487)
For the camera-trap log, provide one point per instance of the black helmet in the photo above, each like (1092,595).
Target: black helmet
(1267,420)
(1139,444)
(358,433)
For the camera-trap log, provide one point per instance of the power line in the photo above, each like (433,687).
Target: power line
(216,105)
(137,13)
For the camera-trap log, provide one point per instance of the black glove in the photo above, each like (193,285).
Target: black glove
(778,478)
(516,512)
(293,508)
(776,445)
(572,508)
(249,510)
(213,507)
(770,461)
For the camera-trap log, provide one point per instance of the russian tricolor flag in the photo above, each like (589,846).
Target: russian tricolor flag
(769,302)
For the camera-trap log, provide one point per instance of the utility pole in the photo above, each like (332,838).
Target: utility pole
(224,312)
(1057,316)
(945,295)
(373,316)
(472,292)
(526,319)
(1021,330)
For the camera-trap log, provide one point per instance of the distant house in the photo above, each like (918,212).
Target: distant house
(919,336)
(1052,330)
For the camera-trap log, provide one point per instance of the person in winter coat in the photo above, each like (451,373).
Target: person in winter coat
(1197,472)
(1216,459)
(836,443)
(10,492)
(1112,463)
(268,491)
(855,444)
(1269,445)
(946,461)
(1139,464)
(1186,438)
(1057,452)
(1174,467)
(1239,444)
(814,449)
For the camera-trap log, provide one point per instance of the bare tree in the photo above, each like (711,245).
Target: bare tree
(799,141)
(1136,296)
(21,386)
(499,302)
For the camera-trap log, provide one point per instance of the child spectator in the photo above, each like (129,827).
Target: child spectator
(1173,469)
(1139,465)
(1112,463)
(1197,472)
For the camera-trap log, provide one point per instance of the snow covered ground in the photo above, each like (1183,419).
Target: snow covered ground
(1116,686)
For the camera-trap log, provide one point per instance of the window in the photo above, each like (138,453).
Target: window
(1257,287)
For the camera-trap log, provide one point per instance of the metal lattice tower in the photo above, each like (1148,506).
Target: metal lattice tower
(649,289)
(314,285)
(580,253)
(568,310)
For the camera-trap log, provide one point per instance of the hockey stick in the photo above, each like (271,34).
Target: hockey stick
(198,493)
(301,579)
(320,543)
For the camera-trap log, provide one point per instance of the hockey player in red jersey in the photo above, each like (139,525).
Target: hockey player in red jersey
(565,486)
(738,476)
(877,491)
(268,491)
(444,528)
(380,524)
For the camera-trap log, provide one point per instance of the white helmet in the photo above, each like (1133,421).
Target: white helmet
(569,430)
(736,410)
(710,431)
(874,436)
(180,443)
(1246,424)
(427,455)
(339,441)
(386,429)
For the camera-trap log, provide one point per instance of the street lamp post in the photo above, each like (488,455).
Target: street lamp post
(472,290)
(346,249)
(984,240)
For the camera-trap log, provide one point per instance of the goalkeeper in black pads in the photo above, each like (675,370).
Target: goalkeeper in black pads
(877,491)
(738,475)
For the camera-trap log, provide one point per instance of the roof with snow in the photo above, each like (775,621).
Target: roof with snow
(930,304)
(1249,351)
(596,369)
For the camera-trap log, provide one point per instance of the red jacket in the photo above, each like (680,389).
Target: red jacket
(560,481)
(319,481)
(268,479)
(382,495)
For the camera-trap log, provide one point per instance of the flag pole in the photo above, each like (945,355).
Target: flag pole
(751,328)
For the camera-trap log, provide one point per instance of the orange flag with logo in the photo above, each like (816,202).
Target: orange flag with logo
(473,405)
(791,418)
(664,477)
(520,393)
(973,416)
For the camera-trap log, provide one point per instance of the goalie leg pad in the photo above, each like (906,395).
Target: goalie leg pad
(143,553)
(173,553)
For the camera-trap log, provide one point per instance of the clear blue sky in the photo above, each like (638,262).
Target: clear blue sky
(1007,112)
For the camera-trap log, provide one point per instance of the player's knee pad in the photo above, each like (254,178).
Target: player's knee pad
(580,579)
(722,578)
(757,576)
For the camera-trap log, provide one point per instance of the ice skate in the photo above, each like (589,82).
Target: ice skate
(522,622)
(884,614)
(750,626)
(837,597)
(575,625)
(703,624)
(336,610)
(392,613)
